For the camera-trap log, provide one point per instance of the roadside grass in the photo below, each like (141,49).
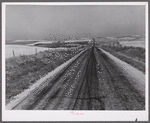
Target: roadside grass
(64,45)
(135,56)
(55,45)
(23,71)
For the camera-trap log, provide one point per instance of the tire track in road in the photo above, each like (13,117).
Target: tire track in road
(88,93)
(65,98)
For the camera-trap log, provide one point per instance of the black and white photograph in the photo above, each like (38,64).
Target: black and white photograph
(78,60)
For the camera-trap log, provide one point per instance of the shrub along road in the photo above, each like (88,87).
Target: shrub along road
(91,82)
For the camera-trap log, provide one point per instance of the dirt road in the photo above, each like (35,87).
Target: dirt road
(92,82)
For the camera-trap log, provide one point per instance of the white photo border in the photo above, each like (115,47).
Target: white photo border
(67,115)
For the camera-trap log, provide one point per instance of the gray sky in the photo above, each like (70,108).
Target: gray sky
(37,22)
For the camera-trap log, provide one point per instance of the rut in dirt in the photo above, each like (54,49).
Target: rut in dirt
(88,98)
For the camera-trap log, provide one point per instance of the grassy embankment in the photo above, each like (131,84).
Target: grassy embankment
(57,45)
(135,56)
(23,71)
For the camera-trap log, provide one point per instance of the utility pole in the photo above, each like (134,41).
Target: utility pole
(93,42)
(35,50)
(13,53)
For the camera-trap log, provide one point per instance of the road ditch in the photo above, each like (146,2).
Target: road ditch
(135,76)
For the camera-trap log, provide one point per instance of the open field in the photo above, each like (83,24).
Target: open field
(67,44)
(28,50)
(21,50)
(23,42)
(32,42)
(133,43)
(132,40)
(47,44)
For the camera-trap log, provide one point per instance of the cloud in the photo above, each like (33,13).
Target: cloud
(37,22)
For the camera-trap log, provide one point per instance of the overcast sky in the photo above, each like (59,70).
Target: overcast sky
(37,22)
